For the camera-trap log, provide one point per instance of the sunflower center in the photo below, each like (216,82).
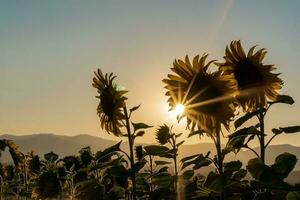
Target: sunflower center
(247,74)
(206,93)
(107,102)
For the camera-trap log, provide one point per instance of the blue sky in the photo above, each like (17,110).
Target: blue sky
(49,50)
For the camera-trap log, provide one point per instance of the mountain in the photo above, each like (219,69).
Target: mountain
(70,145)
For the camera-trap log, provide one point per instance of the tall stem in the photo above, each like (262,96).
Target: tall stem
(220,161)
(130,141)
(173,144)
(262,136)
(151,171)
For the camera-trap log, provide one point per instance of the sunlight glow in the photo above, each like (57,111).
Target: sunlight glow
(178,110)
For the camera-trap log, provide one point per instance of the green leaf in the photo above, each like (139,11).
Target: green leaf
(180,143)
(290,129)
(156,150)
(188,174)
(232,166)
(178,135)
(239,175)
(284,99)
(137,126)
(197,160)
(214,182)
(260,171)
(117,170)
(238,138)
(140,133)
(276,131)
(292,196)
(239,122)
(202,163)
(189,158)
(134,108)
(284,164)
(139,152)
(138,166)
(113,148)
(162,179)
(160,162)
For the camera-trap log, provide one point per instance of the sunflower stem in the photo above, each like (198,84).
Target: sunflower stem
(173,143)
(262,137)
(131,143)
(151,171)
(220,161)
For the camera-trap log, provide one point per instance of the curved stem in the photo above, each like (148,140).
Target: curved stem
(212,160)
(126,154)
(247,147)
(130,141)
(270,140)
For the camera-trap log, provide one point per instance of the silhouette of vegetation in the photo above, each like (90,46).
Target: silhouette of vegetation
(238,89)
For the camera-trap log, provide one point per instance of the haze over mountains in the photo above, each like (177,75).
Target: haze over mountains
(70,145)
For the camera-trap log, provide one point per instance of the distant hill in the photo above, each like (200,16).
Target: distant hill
(70,145)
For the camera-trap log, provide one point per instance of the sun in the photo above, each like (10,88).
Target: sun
(178,110)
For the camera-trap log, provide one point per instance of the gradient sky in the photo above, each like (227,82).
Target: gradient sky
(49,50)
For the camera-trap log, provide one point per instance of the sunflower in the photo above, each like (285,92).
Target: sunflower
(255,81)
(205,95)
(163,134)
(112,101)
(47,186)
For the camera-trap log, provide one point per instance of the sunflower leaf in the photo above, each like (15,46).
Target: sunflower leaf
(161,162)
(134,108)
(240,121)
(284,164)
(284,99)
(188,174)
(140,133)
(290,129)
(180,143)
(137,126)
(156,150)
(276,131)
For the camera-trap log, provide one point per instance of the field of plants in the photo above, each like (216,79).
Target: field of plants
(216,98)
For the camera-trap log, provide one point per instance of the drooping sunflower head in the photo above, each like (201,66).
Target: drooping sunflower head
(163,134)
(255,81)
(205,95)
(112,101)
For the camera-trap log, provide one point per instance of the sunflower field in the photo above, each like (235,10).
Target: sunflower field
(216,99)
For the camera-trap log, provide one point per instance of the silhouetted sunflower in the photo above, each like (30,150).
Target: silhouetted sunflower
(163,134)
(47,186)
(112,101)
(206,96)
(255,81)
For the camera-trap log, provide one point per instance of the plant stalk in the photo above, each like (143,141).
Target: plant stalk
(262,137)
(220,161)
(130,141)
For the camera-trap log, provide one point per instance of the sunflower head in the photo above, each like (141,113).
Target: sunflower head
(255,81)
(205,95)
(163,134)
(47,186)
(112,101)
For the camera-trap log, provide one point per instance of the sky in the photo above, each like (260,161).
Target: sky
(50,49)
